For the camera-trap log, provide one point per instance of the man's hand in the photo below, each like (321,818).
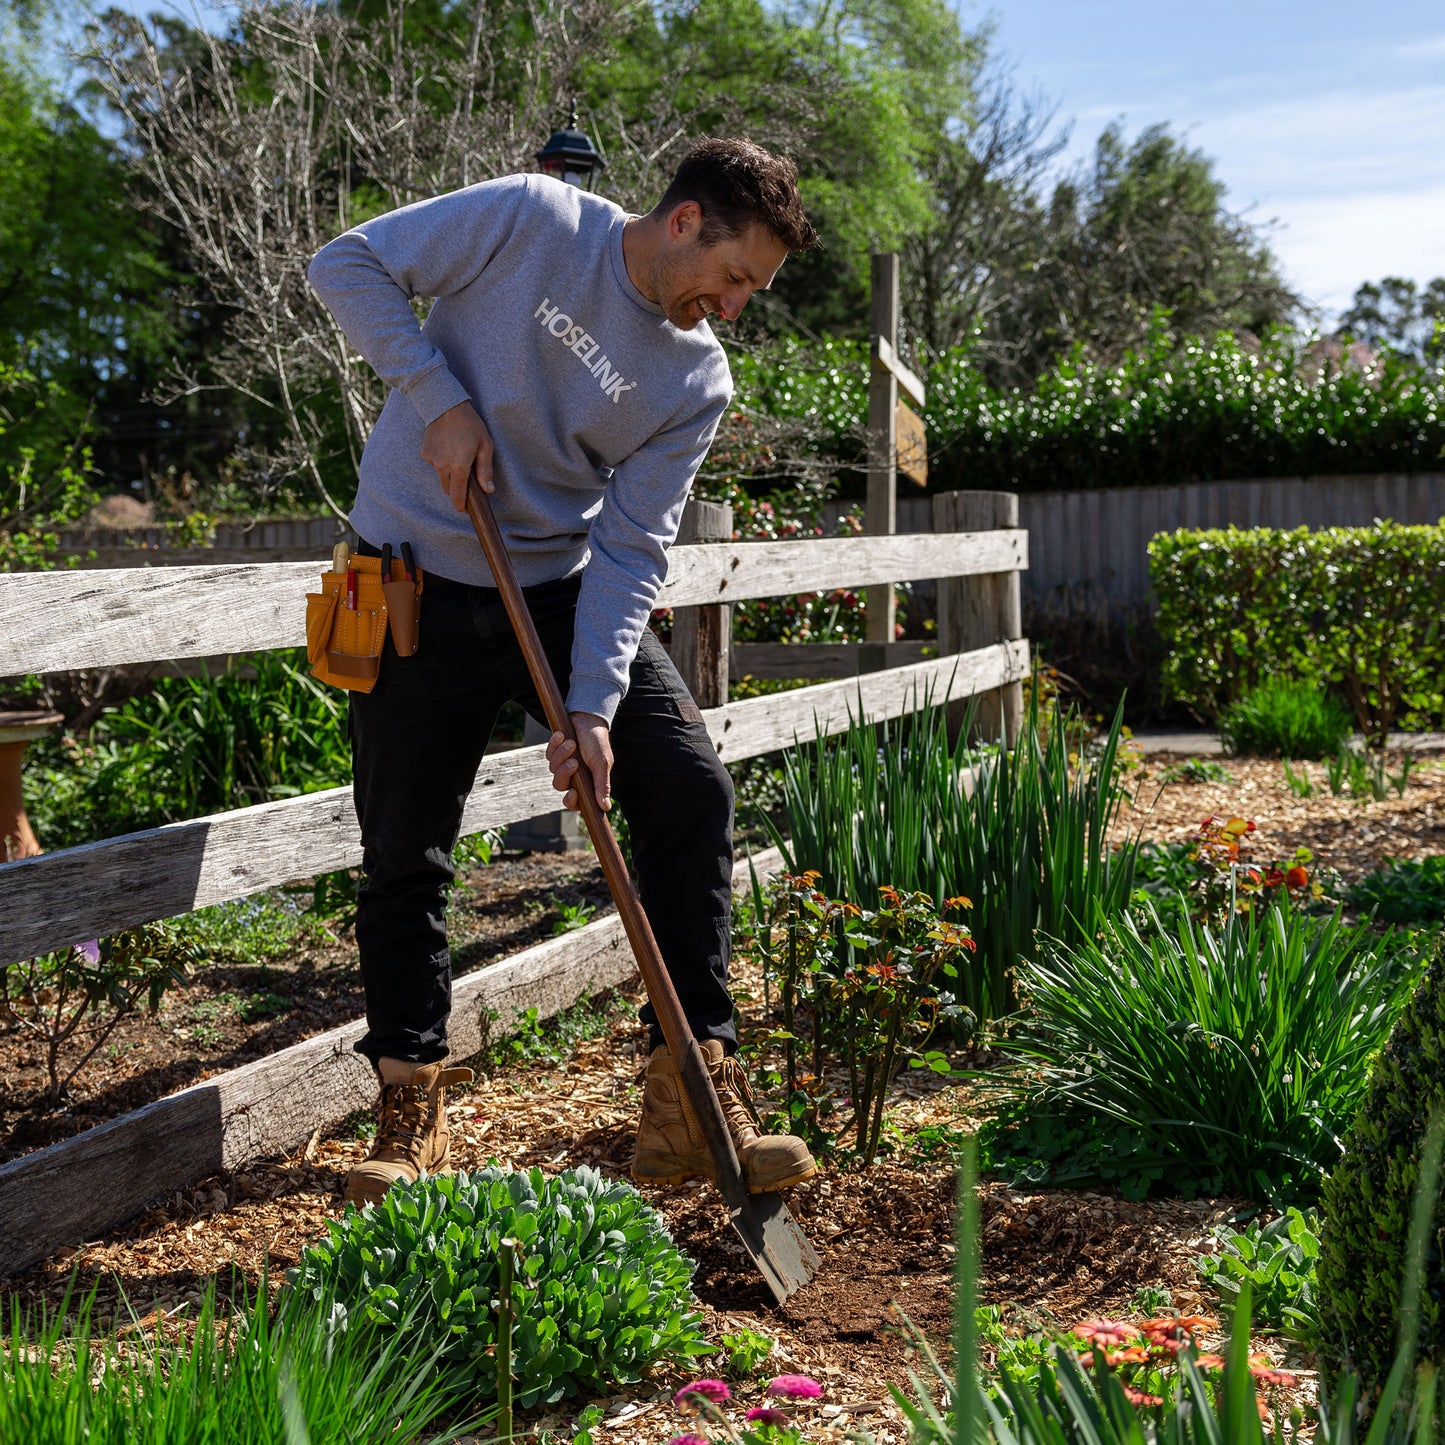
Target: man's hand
(457,444)
(593,735)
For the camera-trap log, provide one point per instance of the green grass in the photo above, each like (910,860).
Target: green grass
(1200,1060)
(1026,840)
(237,1379)
(1286,719)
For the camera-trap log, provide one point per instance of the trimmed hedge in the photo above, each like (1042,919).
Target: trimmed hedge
(1367,1201)
(1179,409)
(1359,608)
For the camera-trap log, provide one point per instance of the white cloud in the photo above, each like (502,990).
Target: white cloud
(1430,47)
(1328,245)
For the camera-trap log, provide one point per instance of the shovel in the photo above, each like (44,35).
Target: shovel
(763,1222)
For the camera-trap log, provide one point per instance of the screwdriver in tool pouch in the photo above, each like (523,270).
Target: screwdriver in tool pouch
(351,589)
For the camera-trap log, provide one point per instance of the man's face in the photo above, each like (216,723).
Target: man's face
(691,280)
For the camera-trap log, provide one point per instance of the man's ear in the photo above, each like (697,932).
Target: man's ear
(685,221)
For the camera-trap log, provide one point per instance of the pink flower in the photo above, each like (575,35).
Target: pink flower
(796,1387)
(713,1390)
(767,1415)
(689,1440)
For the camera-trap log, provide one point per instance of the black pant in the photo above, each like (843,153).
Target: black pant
(416,741)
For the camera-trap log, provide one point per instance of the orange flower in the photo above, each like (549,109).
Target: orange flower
(1297,877)
(1210,1362)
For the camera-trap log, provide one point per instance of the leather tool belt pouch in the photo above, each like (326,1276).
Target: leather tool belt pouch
(343,644)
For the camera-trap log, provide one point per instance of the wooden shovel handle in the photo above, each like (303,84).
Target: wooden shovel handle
(655,977)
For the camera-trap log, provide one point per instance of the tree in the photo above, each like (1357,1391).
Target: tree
(1396,314)
(1023,267)
(82,284)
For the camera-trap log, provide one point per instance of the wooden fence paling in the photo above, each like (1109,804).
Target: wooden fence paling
(982,610)
(54,621)
(701,635)
(81,1187)
(79,893)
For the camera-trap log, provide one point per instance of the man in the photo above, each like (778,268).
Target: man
(566,362)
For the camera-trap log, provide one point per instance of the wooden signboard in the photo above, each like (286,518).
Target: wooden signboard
(912,445)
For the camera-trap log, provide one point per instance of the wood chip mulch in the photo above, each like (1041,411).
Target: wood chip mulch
(884,1235)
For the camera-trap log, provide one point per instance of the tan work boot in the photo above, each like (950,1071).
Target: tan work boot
(670,1146)
(411,1128)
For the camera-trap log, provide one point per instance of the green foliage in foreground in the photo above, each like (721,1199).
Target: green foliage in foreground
(1366,1200)
(1403,891)
(600,1292)
(1358,608)
(1199,1060)
(1276,1262)
(1283,718)
(1026,837)
(1063,1405)
(192,746)
(240,1380)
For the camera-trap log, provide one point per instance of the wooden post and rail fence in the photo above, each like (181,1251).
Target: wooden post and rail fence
(59,621)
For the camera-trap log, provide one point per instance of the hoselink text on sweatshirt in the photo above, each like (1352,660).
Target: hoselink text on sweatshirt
(600,409)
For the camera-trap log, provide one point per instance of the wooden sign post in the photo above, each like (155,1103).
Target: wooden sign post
(895,433)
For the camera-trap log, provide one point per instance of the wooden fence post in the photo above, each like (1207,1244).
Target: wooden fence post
(880,516)
(702,636)
(980,611)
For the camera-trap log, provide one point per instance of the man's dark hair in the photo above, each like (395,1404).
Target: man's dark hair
(737,185)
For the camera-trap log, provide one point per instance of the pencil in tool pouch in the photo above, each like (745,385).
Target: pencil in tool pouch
(344,642)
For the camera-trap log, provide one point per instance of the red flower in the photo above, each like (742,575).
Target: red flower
(1297,877)
(1106,1332)
(713,1390)
(796,1387)
(1139,1399)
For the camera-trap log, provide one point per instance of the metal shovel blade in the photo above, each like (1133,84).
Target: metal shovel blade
(782,1252)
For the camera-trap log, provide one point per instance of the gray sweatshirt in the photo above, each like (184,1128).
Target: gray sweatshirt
(600,409)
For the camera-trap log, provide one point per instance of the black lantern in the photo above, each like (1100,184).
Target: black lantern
(570,156)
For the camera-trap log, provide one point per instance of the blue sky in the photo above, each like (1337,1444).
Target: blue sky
(1326,116)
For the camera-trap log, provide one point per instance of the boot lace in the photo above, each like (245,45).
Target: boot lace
(735,1094)
(404,1120)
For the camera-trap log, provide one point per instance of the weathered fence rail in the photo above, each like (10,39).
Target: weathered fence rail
(62,620)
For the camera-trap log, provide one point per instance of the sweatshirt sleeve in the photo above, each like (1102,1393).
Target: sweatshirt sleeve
(629,541)
(369,275)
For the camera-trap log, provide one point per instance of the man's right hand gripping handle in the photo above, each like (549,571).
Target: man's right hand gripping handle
(457,444)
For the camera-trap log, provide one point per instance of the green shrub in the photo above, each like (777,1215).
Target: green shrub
(191,746)
(1366,1201)
(601,1292)
(241,1377)
(1229,1060)
(1196,770)
(1277,1262)
(1177,409)
(1027,840)
(1358,608)
(1404,891)
(859,988)
(1282,718)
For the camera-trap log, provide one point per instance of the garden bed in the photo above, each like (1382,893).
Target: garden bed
(266,987)
(568,1094)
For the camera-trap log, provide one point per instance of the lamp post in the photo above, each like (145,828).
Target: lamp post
(570,156)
